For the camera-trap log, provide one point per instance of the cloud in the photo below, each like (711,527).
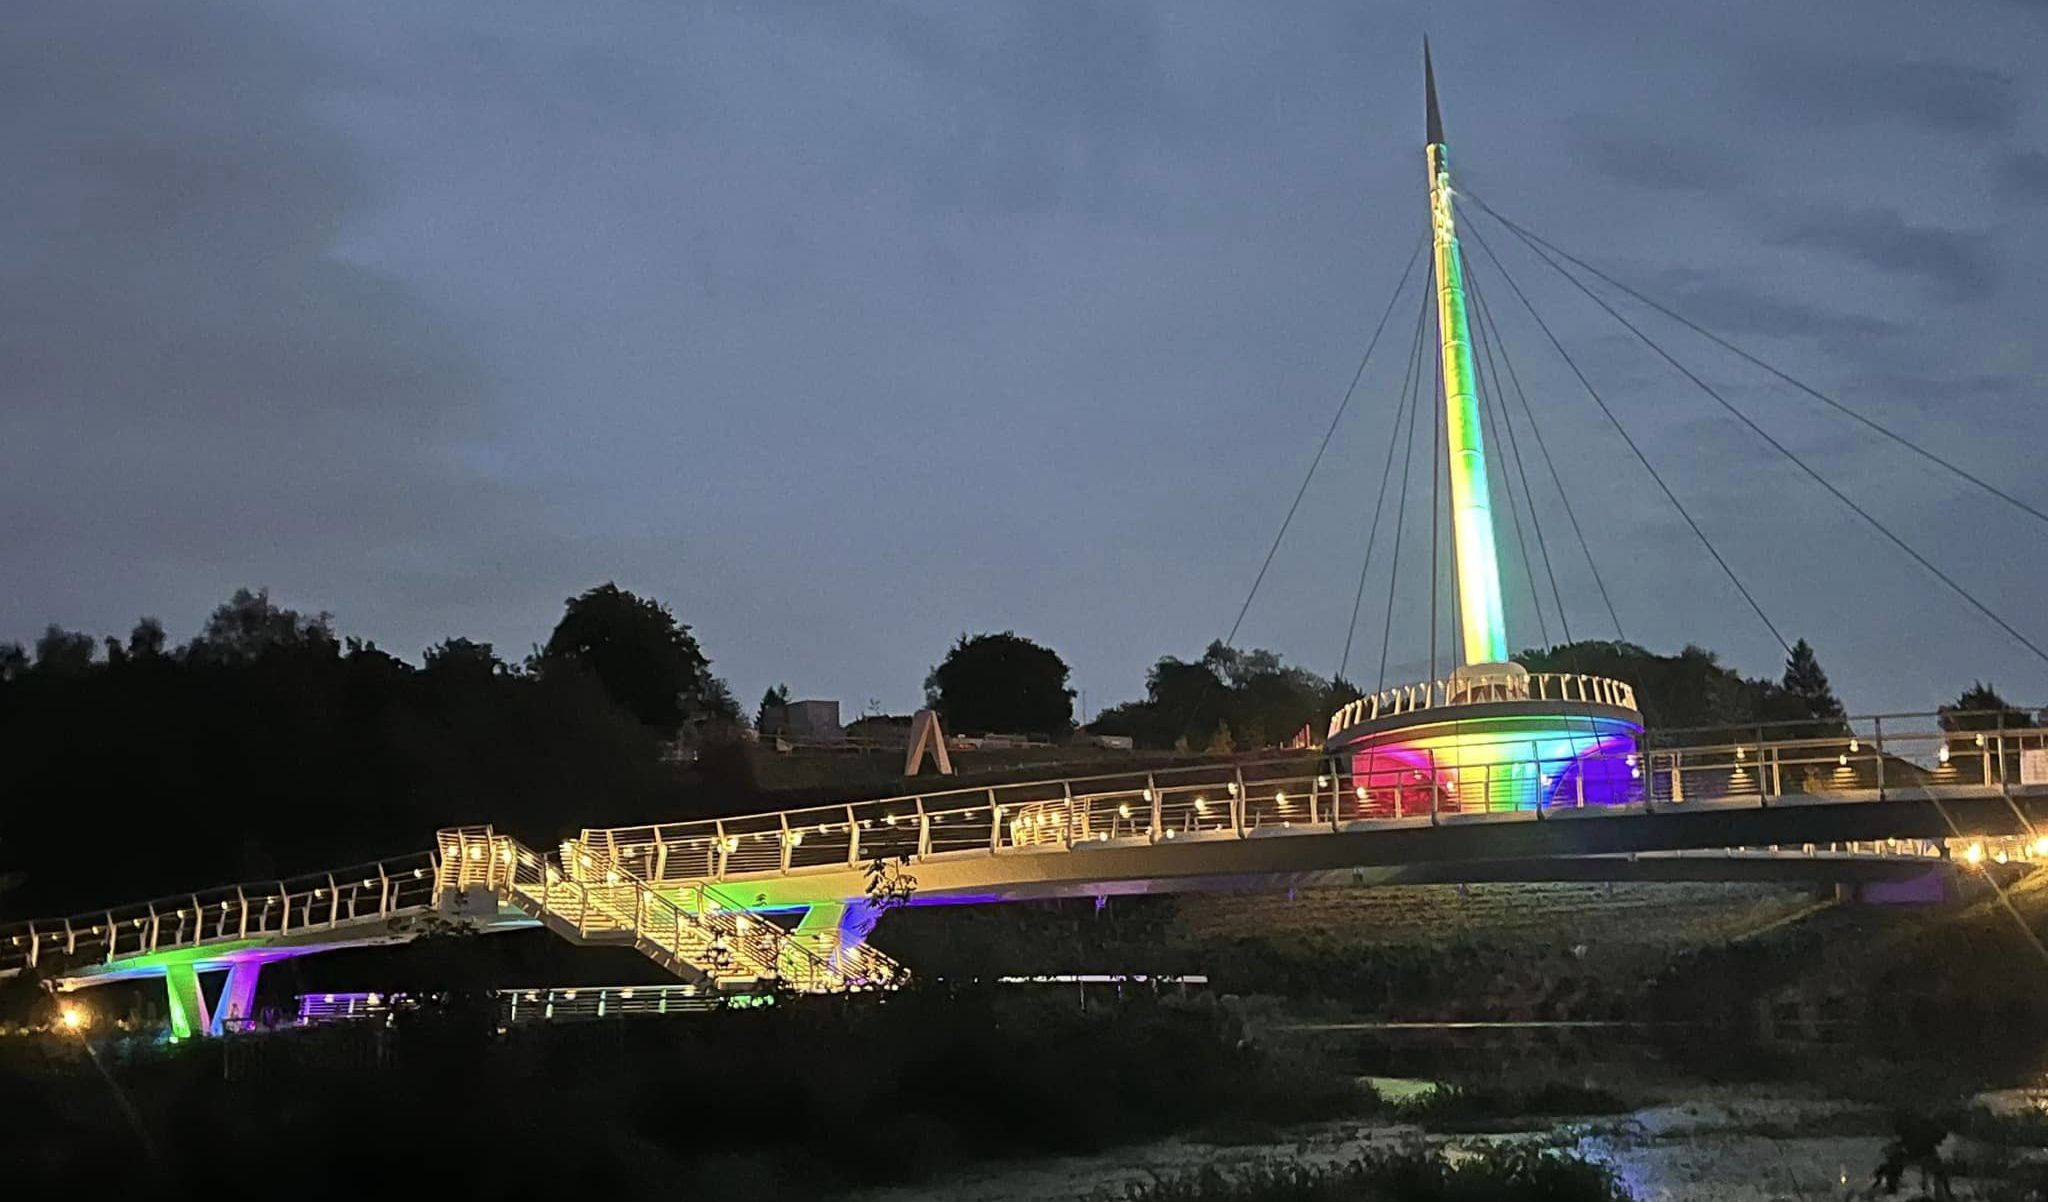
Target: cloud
(1732,308)
(1661,163)
(198,389)
(1951,97)
(1958,264)
(2021,177)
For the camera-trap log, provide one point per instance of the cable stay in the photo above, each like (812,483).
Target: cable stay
(1401,512)
(1324,446)
(1487,323)
(1615,421)
(1794,457)
(1535,239)
(1402,400)
(1490,388)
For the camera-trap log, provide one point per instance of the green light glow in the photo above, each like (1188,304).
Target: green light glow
(1479,610)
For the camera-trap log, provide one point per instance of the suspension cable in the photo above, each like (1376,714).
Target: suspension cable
(1436,488)
(1638,451)
(1507,451)
(1386,475)
(1400,524)
(1800,463)
(1485,311)
(1831,402)
(1325,444)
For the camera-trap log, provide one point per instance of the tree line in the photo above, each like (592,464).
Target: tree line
(270,744)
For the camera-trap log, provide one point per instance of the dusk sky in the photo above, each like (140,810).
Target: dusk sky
(847,328)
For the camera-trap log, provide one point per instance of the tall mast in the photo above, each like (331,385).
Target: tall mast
(1479,609)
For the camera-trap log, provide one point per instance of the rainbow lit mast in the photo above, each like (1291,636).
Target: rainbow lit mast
(1479,607)
(1493,736)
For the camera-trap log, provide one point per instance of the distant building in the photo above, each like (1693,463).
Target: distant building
(812,721)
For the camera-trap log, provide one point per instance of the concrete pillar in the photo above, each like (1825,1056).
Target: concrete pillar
(188,1002)
(237,997)
(832,928)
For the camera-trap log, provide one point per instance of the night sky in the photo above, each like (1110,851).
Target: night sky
(846,328)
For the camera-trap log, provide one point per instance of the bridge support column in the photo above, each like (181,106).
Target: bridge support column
(187,1002)
(833,928)
(237,997)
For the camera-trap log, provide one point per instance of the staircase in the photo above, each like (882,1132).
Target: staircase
(586,897)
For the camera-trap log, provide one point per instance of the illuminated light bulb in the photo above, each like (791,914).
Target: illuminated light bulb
(1322,782)
(1232,786)
(2000,857)
(610,877)
(1855,745)
(890,819)
(1942,755)
(73,1018)
(476,852)
(1631,759)
(1741,754)
(1146,795)
(330,999)
(2041,846)
(1201,805)
(1980,740)
(1974,853)
(1281,798)
(1361,792)
(1169,832)
(1842,761)
(1102,836)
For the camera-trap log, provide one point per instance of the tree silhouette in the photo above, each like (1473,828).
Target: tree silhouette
(768,719)
(1979,707)
(1001,682)
(647,662)
(1807,695)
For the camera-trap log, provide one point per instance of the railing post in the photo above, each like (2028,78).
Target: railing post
(660,856)
(2004,787)
(1579,788)
(242,929)
(1877,741)
(995,821)
(1777,772)
(1236,801)
(1677,778)
(924,829)
(155,925)
(723,851)
(852,839)
(788,846)
(1435,790)
(1153,817)
(1067,826)
(334,898)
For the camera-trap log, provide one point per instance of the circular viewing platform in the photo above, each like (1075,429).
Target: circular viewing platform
(1492,737)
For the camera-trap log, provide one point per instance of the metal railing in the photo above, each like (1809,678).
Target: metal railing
(590,895)
(1307,794)
(323,901)
(1568,688)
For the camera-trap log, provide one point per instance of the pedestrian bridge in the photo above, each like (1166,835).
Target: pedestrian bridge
(786,898)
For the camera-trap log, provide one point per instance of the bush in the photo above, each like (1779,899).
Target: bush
(1520,1174)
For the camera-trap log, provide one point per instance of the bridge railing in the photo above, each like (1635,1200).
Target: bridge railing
(221,915)
(1565,688)
(1307,793)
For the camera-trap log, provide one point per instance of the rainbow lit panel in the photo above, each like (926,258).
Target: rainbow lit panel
(1498,763)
